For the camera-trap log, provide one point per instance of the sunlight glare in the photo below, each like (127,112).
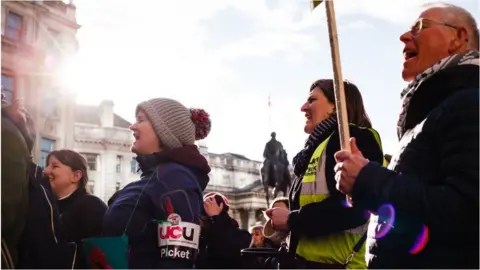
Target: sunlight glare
(70,75)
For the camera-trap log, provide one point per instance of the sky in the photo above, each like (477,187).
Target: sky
(228,57)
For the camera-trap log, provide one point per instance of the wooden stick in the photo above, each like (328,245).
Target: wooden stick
(340,102)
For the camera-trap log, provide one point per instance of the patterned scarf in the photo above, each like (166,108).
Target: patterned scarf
(469,58)
(319,134)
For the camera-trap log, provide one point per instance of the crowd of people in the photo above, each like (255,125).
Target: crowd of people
(420,211)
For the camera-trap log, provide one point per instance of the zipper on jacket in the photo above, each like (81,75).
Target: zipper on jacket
(74,255)
(7,257)
(49,204)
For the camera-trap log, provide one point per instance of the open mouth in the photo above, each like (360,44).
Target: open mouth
(135,135)
(409,54)
(308,117)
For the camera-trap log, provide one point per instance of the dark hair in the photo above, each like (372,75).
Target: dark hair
(220,199)
(355,109)
(74,160)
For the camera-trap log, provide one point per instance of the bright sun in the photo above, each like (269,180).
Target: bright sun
(70,75)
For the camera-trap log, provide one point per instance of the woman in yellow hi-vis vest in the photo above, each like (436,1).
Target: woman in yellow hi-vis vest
(325,233)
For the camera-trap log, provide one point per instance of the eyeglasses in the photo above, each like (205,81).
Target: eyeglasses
(424,23)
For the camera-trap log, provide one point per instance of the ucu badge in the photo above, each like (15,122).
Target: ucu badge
(176,232)
(178,239)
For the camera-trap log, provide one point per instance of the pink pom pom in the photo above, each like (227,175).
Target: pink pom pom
(202,122)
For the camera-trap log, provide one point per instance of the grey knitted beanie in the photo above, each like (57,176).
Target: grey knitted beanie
(174,124)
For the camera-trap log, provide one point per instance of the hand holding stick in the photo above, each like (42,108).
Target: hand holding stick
(340,102)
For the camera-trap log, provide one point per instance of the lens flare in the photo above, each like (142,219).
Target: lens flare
(421,242)
(50,62)
(386,219)
(345,203)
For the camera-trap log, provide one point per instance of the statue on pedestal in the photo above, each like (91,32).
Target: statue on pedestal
(274,171)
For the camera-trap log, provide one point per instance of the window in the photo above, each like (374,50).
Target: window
(46,146)
(117,186)
(119,164)
(91,187)
(14,26)
(7,87)
(226,179)
(91,161)
(133,165)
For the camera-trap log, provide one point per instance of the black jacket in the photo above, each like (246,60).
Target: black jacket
(43,244)
(220,244)
(82,217)
(433,185)
(330,215)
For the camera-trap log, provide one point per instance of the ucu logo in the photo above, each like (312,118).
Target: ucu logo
(176,232)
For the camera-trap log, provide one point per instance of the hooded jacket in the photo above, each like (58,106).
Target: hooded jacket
(171,183)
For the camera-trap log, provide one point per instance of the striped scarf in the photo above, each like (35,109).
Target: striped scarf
(469,58)
(319,134)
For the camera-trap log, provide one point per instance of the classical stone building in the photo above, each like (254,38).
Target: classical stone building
(38,37)
(104,139)
(238,178)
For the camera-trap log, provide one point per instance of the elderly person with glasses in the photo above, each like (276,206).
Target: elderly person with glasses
(425,206)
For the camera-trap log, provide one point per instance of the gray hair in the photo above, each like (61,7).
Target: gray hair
(459,16)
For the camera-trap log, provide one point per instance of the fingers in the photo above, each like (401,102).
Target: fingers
(269,212)
(338,167)
(338,177)
(342,156)
(353,146)
(209,201)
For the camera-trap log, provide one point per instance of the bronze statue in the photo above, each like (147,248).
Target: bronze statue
(274,171)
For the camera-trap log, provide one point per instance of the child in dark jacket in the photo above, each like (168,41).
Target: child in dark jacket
(161,212)
(222,240)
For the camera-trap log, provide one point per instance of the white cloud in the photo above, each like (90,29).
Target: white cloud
(396,11)
(357,25)
(269,43)
(279,30)
(140,51)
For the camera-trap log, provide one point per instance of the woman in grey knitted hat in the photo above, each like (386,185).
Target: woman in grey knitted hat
(161,212)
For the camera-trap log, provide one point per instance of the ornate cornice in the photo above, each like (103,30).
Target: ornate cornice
(103,142)
(47,10)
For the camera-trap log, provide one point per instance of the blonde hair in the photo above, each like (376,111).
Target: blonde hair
(253,229)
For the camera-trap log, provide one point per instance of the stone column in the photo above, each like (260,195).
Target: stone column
(251,218)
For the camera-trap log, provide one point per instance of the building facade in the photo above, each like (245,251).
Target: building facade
(238,178)
(38,37)
(104,139)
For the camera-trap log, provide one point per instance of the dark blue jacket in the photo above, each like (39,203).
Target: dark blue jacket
(432,186)
(172,182)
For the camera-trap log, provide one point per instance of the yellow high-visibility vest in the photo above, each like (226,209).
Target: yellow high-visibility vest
(336,247)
